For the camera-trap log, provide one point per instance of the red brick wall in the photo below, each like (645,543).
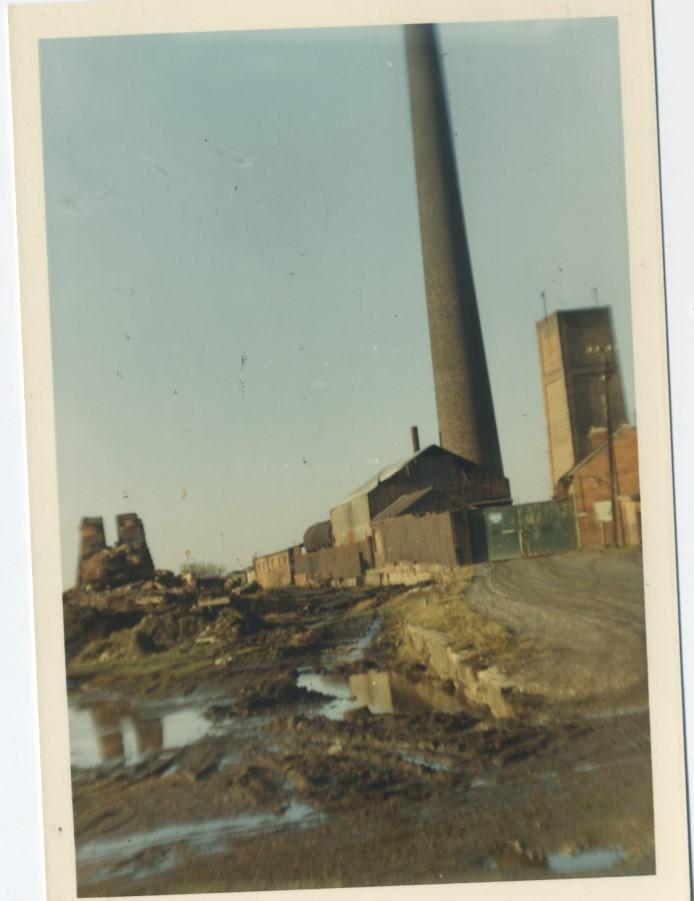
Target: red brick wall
(591,483)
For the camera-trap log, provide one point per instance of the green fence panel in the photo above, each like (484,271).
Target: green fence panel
(529,530)
(546,528)
(503,538)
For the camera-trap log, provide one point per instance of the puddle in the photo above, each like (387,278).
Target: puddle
(614,713)
(231,759)
(115,731)
(334,687)
(481,782)
(435,765)
(381,692)
(592,767)
(595,859)
(107,858)
(134,870)
(592,862)
(356,650)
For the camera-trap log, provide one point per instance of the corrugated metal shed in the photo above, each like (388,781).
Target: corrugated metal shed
(352,520)
(460,481)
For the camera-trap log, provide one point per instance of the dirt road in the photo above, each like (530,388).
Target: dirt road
(581,619)
(335,738)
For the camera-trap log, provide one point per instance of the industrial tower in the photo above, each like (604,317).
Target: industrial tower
(464,407)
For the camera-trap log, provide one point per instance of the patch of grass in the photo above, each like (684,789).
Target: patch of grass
(182,662)
(362,611)
(441,608)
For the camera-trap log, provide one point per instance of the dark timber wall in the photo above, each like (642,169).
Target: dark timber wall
(440,538)
(345,562)
(459,480)
(447,474)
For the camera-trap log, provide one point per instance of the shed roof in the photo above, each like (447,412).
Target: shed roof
(426,500)
(433,450)
(598,450)
(404,504)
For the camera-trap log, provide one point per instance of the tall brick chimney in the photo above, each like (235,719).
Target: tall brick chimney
(130,530)
(131,533)
(92,540)
(463,395)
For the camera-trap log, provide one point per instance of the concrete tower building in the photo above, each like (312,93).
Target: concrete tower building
(463,395)
(581,385)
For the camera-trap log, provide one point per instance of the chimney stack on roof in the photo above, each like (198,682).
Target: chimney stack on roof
(415,439)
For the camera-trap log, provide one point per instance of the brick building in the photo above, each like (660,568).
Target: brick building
(276,570)
(588,484)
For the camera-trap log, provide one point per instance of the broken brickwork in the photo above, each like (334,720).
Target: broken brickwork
(129,560)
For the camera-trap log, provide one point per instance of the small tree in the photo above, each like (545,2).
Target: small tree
(203,570)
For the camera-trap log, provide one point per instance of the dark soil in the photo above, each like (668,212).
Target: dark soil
(422,796)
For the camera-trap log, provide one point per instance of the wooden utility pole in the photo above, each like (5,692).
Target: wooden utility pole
(607,372)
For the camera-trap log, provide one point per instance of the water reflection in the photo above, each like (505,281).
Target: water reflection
(122,856)
(381,692)
(438,766)
(591,860)
(114,731)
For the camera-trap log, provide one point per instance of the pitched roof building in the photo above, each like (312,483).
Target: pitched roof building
(589,483)
(458,480)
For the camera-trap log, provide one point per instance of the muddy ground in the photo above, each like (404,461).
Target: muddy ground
(493,726)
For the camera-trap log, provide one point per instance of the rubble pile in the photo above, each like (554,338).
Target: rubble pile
(101,566)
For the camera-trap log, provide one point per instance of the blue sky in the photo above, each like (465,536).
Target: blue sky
(237,301)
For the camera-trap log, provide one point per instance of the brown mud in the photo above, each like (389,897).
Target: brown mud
(493,726)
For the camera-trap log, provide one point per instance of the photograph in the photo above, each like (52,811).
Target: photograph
(347,412)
